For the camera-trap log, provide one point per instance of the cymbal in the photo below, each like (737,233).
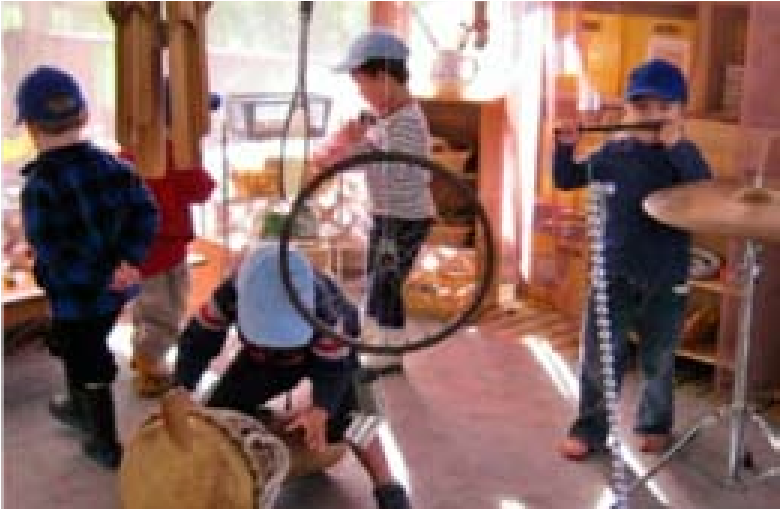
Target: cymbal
(720,207)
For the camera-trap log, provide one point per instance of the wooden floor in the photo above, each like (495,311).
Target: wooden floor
(473,425)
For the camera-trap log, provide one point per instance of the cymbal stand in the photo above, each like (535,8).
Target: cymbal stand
(738,412)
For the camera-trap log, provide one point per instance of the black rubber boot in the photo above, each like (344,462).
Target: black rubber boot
(67,409)
(102,445)
(392,496)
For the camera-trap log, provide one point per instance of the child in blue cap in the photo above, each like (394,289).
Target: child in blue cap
(646,261)
(280,350)
(402,206)
(90,220)
(160,308)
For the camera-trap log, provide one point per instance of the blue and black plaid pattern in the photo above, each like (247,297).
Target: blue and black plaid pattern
(84,212)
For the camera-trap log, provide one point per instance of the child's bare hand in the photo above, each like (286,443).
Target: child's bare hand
(340,144)
(125,276)
(313,421)
(354,131)
(567,132)
(671,134)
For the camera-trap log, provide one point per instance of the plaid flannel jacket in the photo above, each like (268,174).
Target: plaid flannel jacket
(84,212)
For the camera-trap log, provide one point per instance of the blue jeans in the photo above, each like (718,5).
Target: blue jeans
(655,313)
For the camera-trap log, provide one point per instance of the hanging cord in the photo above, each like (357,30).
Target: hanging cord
(424,26)
(597,217)
(300,98)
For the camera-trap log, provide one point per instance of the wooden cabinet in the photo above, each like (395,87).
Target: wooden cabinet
(456,124)
(481,126)
(759,122)
(613,37)
(720,65)
(707,39)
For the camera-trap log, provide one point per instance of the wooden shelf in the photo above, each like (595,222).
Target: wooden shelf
(706,353)
(715,286)
(23,293)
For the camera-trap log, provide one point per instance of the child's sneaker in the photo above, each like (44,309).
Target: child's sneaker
(392,496)
(67,410)
(109,455)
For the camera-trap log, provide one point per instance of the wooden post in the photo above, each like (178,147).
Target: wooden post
(140,125)
(393,15)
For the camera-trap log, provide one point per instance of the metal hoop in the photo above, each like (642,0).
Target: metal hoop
(484,277)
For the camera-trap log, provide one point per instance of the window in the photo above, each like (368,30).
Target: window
(77,36)
(11,15)
(253,47)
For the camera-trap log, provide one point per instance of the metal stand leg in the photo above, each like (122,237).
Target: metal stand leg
(739,410)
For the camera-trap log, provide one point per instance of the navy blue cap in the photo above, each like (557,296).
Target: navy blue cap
(49,96)
(657,78)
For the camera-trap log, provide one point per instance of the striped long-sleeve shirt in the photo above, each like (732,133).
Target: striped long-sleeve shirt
(397,189)
(84,213)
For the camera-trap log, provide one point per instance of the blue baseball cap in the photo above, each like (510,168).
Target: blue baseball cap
(266,317)
(657,78)
(49,96)
(376,43)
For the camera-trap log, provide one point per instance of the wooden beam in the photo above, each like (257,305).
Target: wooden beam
(393,15)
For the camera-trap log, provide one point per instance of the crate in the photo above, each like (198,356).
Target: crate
(442,283)
(436,301)
(255,183)
(262,181)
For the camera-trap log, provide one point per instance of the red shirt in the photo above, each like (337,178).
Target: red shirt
(174,194)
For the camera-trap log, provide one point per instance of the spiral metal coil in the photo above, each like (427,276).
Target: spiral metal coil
(597,217)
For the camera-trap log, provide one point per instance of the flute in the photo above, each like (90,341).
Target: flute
(650,125)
